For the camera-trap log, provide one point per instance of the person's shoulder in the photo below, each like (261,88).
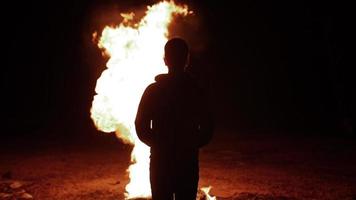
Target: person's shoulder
(157,84)
(151,87)
(161,78)
(162,81)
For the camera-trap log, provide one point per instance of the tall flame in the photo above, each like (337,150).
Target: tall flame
(136,56)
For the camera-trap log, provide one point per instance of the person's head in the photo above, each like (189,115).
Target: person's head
(176,53)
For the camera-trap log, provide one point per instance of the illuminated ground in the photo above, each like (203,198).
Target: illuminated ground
(237,166)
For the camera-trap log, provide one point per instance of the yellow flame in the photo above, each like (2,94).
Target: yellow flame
(136,57)
(206,191)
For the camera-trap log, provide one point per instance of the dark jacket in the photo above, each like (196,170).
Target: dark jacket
(173,118)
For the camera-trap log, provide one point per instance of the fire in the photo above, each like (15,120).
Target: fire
(206,191)
(136,56)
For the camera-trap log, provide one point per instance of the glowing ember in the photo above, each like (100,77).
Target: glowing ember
(136,56)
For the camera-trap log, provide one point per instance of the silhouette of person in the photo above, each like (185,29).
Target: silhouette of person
(174,120)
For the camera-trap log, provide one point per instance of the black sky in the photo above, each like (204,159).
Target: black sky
(269,65)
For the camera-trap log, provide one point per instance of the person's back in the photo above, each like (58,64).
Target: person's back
(174,121)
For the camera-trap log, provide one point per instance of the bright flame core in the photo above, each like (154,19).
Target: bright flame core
(206,191)
(136,57)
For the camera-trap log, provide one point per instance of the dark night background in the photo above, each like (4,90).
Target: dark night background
(270,66)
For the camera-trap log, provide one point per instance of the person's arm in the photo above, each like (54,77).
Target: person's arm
(144,117)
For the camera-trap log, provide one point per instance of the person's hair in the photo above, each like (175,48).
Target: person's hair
(176,53)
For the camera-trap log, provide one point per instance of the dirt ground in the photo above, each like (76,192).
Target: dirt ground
(237,166)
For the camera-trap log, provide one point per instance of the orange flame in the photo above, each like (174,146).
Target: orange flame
(136,57)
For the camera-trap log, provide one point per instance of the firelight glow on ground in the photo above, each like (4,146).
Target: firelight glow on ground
(136,56)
